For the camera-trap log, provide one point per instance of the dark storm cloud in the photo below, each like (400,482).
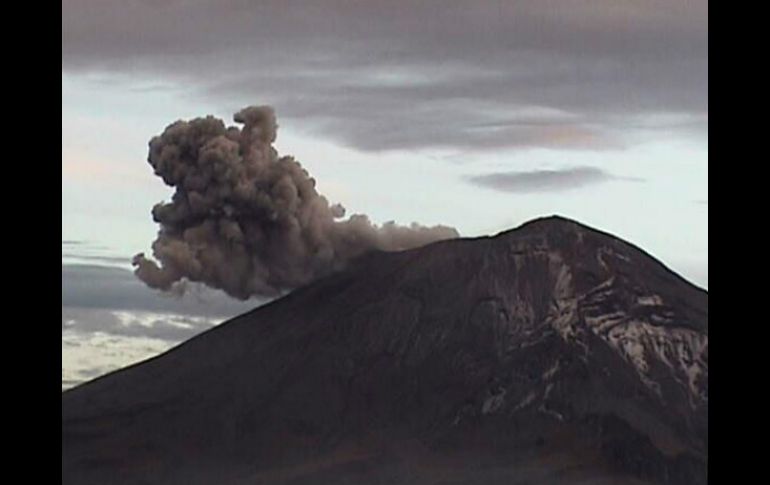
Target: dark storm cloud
(114,289)
(545,180)
(382,75)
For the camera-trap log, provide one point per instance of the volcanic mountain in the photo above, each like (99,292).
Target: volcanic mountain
(549,354)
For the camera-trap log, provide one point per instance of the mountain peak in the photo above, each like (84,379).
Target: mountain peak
(550,222)
(550,343)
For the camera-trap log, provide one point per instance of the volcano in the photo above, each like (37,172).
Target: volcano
(552,353)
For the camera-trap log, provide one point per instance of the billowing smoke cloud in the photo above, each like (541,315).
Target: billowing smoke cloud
(248,221)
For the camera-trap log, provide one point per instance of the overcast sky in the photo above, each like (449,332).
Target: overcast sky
(476,114)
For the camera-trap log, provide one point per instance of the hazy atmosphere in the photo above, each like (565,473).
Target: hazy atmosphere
(471,117)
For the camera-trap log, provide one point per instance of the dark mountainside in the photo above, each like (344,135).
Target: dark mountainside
(548,354)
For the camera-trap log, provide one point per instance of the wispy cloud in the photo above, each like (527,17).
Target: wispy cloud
(109,260)
(86,252)
(545,180)
(161,326)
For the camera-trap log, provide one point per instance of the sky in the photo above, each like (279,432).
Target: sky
(478,115)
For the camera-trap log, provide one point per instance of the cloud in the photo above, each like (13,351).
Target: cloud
(82,247)
(108,260)
(161,326)
(545,180)
(79,252)
(384,75)
(86,355)
(114,289)
(110,319)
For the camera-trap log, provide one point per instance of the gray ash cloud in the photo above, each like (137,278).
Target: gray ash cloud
(248,221)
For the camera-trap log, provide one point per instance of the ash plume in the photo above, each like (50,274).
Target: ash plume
(250,222)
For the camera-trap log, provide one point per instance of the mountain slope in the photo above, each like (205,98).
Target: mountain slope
(552,353)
